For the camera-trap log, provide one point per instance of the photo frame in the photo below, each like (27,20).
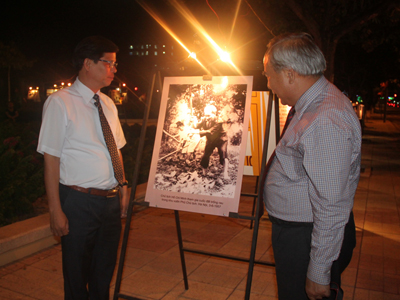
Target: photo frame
(200,144)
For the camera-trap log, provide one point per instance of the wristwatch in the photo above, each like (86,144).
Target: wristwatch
(124,183)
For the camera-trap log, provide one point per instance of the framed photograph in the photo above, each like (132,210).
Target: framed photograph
(200,145)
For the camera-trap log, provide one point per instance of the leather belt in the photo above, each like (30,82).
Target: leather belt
(92,191)
(284,223)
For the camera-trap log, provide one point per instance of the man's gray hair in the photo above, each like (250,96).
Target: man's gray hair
(296,51)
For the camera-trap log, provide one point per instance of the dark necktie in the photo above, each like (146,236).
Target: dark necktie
(270,160)
(110,142)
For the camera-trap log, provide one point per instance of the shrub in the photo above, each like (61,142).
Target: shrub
(21,171)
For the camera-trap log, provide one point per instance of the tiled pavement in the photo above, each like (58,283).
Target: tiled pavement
(152,268)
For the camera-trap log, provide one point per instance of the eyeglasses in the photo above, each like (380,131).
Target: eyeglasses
(110,62)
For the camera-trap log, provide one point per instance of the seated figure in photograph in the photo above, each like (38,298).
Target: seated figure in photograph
(189,138)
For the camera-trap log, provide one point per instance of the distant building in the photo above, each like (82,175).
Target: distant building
(164,56)
(157,53)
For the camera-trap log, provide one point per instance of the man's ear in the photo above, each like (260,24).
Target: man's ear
(291,75)
(87,63)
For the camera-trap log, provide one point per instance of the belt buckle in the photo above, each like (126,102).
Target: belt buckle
(113,192)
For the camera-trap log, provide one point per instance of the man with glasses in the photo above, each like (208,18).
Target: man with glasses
(310,185)
(80,138)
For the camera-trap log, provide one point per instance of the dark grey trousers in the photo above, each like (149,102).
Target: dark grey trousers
(292,245)
(89,251)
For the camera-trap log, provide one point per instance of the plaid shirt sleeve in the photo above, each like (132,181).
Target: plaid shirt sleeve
(329,167)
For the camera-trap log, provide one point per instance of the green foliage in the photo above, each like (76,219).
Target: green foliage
(382,30)
(21,171)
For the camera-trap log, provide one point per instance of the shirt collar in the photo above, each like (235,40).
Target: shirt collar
(310,95)
(86,93)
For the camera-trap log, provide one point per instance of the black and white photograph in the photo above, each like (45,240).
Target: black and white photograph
(200,142)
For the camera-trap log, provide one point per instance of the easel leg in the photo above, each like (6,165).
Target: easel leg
(254,203)
(178,230)
(123,250)
(252,254)
(257,202)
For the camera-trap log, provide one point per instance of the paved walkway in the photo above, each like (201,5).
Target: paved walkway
(153,271)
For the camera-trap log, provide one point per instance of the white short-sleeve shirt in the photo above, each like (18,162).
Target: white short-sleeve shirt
(71,130)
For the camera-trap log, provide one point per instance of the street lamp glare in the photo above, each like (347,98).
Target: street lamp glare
(224,56)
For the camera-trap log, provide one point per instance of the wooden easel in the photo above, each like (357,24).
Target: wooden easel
(254,217)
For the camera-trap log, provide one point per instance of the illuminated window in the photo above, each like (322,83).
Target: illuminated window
(147,52)
(155,53)
(130,47)
(131,53)
(142,47)
(163,52)
(155,46)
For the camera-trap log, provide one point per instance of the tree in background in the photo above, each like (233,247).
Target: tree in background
(12,58)
(329,21)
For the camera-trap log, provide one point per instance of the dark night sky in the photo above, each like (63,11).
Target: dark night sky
(48,31)
(51,28)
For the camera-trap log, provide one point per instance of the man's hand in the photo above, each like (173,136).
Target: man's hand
(316,291)
(59,223)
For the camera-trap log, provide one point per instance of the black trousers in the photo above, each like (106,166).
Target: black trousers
(221,145)
(292,245)
(89,251)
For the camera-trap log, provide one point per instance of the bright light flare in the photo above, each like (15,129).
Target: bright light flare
(225,82)
(225,57)
(167,29)
(199,28)
(192,55)
(218,88)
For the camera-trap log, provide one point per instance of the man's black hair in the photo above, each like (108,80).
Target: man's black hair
(92,47)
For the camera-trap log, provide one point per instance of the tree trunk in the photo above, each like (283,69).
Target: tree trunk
(328,47)
(9,83)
